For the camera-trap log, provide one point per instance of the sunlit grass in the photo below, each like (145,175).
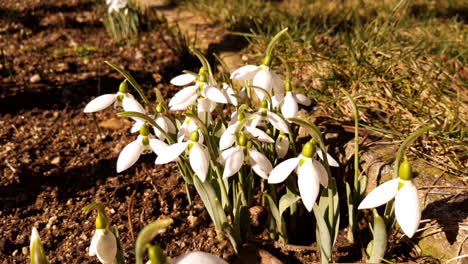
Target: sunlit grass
(404,61)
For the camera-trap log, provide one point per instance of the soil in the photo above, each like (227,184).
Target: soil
(56,159)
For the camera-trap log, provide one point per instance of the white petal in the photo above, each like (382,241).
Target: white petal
(277,122)
(230,93)
(225,154)
(277,100)
(129,155)
(199,160)
(308,182)
(170,126)
(99,103)
(136,127)
(106,247)
(321,172)
(407,211)
(302,99)
(260,160)
(183,95)
(184,105)
(258,170)
(331,161)
(93,245)
(205,105)
(282,170)
(161,123)
(245,73)
(289,108)
(157,145)
(198,257)
(183,79)
(263,79)
(216,95)
(171,153)
(227,138)
(262,136)
(282,146)
(380,195)
(34,236)
(129,104)
(233,163)
(278,85)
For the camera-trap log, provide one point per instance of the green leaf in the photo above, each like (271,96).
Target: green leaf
(379,243)
(286,201)
(150,120)
(147,234)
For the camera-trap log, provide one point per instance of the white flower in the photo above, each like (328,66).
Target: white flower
(164,122)
(233,159)
(116,5)
(121,99)
(183,79)
(186,129)
(228,137)
(289,105)
(331,161)
(189,95)
(104,246)
(36,249)
(144,143)
(282,145)
(264,115)
(231,95)
(261,76)
(407,211)
(310,174)
(196,257)
(199,157)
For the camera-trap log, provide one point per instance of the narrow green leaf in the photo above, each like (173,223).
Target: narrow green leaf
(147,234)
(379,243)
(286,201)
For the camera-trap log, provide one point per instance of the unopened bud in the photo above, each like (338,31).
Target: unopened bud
(405,171)
(123,88)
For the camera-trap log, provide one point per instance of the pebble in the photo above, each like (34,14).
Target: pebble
(35,78)
(25,250)
(51,221)
(55,161)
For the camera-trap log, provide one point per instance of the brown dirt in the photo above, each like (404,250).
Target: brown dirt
(55,160)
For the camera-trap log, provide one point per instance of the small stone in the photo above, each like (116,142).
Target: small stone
(193,220)
(51,221)
(25,250)
(55,161)
(35,78)
(63,67)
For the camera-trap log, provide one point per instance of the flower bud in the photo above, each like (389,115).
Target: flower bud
(36,249)
(267,60)
(242,140)
(156,255)
(144,130)
(194,136)
(123,88)
(309,149)
(405,170)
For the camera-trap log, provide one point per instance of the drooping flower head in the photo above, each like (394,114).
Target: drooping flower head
(407,211)
(121,99)
(310,174)
(103,244)
(291,101)
(264,116)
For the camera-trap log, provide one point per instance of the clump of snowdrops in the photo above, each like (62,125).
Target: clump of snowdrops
(255,157)
(123,19)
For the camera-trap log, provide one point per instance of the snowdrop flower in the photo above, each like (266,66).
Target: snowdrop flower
(407,211)
(103,244)
(122,99)
(231,94)
(261,76)
(199,157)
(36,249)
(233,159)
(331,161)
(228,137)
(282,145)
(165,123)
(196,257)
(145,143)
(289,105)
(263,115)
(189,95)
(186,129)
(116,5)
(310,174)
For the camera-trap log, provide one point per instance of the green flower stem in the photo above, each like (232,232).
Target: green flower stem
(135,85)
(389,208)
(148,119)
(273,41)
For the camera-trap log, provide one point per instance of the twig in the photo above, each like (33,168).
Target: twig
(129,215)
